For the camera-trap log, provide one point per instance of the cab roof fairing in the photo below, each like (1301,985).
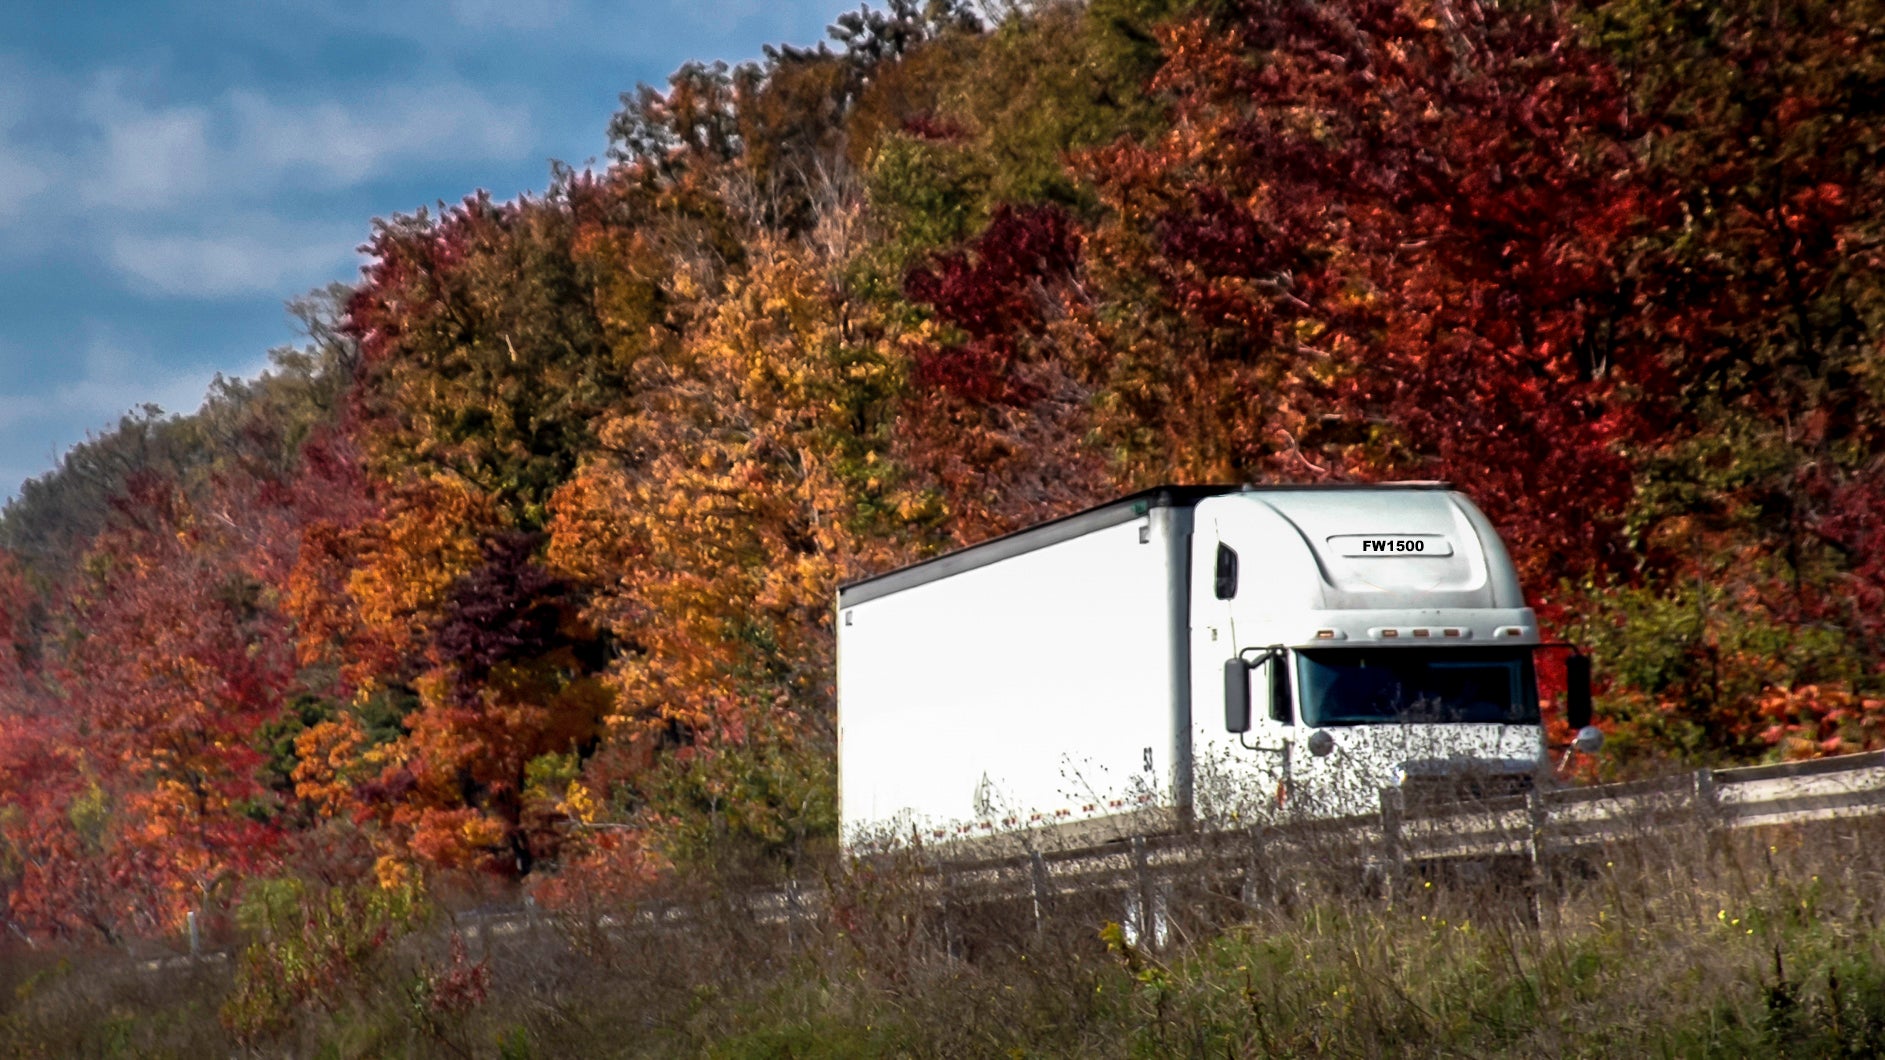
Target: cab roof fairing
(1295,533)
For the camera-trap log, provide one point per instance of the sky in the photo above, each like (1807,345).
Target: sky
(173,173)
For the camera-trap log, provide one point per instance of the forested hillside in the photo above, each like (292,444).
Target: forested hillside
(524,565)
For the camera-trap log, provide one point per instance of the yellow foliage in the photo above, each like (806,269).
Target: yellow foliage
(393,873)
(730,503)
(579,803)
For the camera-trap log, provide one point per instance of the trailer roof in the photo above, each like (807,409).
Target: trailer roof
(1132,506)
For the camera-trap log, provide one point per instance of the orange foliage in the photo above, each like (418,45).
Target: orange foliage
(1812,721)
(329,763)
(739,511)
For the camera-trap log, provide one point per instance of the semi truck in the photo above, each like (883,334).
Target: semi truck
(1187,654)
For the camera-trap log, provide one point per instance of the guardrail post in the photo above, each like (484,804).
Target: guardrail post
(1539,816)
(1705,798)
(196,936)
(1393,813)
(951,944)
(1043,888)
(1151,930)
(793,910)
(1253,890)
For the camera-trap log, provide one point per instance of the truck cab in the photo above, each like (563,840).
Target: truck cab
(1381,639)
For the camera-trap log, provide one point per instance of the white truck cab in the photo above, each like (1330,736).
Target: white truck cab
(1385,639)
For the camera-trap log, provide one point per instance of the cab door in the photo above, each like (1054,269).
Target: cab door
(1233,773)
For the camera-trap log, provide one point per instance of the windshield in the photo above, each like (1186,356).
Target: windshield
(1368,686)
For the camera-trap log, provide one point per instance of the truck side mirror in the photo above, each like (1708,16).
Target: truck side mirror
(1236,695)
(1577,707)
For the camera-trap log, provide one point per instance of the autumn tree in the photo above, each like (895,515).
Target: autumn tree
(1759,299)
(747,479)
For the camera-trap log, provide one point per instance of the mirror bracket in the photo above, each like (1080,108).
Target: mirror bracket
(1237,684)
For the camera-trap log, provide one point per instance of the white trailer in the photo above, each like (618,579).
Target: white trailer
(1184,653)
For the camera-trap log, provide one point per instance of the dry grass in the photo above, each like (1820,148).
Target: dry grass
(1674,940)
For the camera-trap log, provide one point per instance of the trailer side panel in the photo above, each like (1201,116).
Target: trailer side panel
(1036,691)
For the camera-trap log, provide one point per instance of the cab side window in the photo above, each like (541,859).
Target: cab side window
(1226,582)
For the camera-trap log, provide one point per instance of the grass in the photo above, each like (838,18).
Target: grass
(1676,942)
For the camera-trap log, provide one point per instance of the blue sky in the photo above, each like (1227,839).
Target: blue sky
(172,173)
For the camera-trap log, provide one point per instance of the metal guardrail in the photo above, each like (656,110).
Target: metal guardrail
(1536,827)
(1845,786)
(1740,797)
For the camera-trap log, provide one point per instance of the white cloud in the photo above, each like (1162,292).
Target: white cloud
(116,378)
(177,197)
(143,158)
(260,257)
(224,193)
(37,427)
(247,146)
(24,172)
(20,180)
(334,144)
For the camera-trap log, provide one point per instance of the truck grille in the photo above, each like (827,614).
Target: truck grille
(1442,789)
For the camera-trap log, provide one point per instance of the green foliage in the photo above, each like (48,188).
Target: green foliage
(276,737)
(1688,666)
(311,947)
(383,713)
(54,516)
(1064,78)
(768,796)
(1678,944)
(90,813)
(926,194)
(262,425)
(487,356)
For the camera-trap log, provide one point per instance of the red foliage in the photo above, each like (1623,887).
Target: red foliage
(996,293)
(930,127)
(1424,227)
(168,659)
(510,609)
